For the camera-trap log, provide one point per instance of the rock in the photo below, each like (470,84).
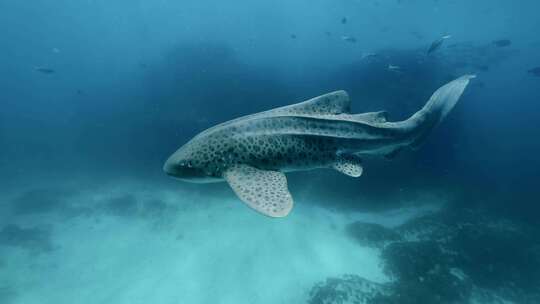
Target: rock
(451,256)
(32,239)
(38,201)
(424,274)
(494,252)
(348,289)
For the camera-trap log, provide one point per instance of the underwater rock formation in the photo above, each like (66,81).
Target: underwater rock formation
(450,256)
(129,206)
(37,201)
(423,272)
(347,289)
(32,239)
(495,253)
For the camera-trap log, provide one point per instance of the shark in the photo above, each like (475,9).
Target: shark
(252,153)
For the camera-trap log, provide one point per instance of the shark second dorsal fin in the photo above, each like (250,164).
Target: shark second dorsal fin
(263,190)
(367,118)
(370,117)
(332,103)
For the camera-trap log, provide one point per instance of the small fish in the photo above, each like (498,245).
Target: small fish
(344,20)
(44,70)
(293,36)
(56,50)
(535,71)
(348,39)
(368,55)
(394,68)
(437,44)
(502,43)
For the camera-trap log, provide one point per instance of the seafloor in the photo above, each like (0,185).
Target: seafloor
(132,241)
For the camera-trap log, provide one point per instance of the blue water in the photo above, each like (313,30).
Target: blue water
(95,95)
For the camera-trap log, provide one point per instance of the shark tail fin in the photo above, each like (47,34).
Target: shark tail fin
(439,105)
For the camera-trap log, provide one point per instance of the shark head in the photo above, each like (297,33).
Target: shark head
(185,164)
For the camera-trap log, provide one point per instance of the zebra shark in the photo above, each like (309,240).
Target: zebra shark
(252,153)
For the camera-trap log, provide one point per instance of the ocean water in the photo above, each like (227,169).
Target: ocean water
(95,95)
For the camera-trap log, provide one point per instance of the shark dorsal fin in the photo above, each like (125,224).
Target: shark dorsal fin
(332,103)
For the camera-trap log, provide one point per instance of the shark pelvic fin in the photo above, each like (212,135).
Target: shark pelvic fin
(264,191)
(349,164)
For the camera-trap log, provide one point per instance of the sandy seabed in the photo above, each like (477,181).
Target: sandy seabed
(128,243)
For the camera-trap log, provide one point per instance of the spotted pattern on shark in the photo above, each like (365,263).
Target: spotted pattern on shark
(253,152)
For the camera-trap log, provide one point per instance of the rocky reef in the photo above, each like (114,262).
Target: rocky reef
(449,256)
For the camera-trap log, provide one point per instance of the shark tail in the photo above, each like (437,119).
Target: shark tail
(439,105)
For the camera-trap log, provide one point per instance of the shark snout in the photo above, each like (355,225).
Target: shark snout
(169,167)
(184,169)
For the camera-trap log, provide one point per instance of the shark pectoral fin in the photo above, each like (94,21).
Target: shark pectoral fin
(265,191)
(349,164)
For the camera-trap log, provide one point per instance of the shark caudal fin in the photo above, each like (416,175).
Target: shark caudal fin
(436,109)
